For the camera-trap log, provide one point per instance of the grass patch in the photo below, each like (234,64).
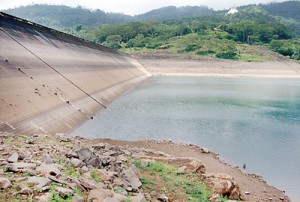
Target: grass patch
(163,178)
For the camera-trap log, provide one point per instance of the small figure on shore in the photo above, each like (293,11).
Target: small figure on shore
(244,166)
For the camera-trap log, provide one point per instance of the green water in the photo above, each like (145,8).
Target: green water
(247,120)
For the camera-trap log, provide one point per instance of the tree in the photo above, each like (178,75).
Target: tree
(113,41)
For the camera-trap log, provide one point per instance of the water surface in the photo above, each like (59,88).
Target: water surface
(247,120)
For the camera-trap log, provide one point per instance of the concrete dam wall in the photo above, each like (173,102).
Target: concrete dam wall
(52,82)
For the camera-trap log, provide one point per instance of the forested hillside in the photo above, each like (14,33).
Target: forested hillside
(189,32)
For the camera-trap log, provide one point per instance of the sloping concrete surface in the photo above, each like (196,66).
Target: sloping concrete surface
(52,82)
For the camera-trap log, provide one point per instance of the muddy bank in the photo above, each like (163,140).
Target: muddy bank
(52,82)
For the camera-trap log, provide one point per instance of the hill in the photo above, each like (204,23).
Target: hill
(172,12)
(59,16)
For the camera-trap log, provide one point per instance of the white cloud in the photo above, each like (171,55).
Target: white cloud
(133,7)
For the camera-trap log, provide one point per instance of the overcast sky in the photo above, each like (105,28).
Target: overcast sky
(133,7)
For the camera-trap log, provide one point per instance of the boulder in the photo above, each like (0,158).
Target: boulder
(77,198)
(77,163)
(163,198)
(94,161)
(138,198)
(98,195)
(13,158)
(64,192)
(25,191)
(51,169)
(90,184)
(4,183)
(47,159)
(223,185)
(43,198)
(215,198)
(84,153)
(130,178)
(38,182)
(190,165)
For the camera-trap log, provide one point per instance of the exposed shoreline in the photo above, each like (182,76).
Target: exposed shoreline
(258,188)
(220,68)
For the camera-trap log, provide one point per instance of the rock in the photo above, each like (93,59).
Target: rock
(99,146)
(215,198)
(77,163)
(119,197)
(21,165)
(223,185)
(64,192)
(26,191)
(98,195)
(90,184)
(20,179)
(163,198)
(190,165)
(43,198)
(138,198)
(13,158)
(247,193)
(63,137)
(94,161)
(84,153)
(130,178)
(77,198)
(54,179)
(38,182)
(51,169)
(205,150)
(47,159)
(4,183)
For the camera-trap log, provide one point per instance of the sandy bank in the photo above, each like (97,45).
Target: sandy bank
(221,68)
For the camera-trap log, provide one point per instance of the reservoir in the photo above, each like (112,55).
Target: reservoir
(253,121)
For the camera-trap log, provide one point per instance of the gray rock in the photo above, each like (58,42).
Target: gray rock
(38,182)
(13,157)
(20,179)
(54,179)
(90,184)
(205,150)
(98,195)
(47,159)
(43,198)
(84,153)
(64,192)
(26,191)
(4,183)
(94,161)
(51,169)
(138,198)
(15,167)
(77,163)
(215,198)
(119,197)
(163,198)
(63,137)
(77,198)
(130,178)
(99,146)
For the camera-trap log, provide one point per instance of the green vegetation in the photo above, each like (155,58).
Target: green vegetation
(186,32)
(162,178)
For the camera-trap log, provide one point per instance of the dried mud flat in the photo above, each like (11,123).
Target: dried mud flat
(61,167)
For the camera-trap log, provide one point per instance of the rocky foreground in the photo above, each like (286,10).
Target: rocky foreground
(64,168)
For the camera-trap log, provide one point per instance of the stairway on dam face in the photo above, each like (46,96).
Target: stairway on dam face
(52,82)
